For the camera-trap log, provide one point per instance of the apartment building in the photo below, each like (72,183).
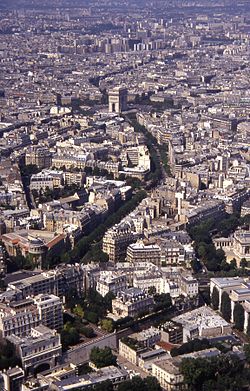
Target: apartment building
(46,179)
(50,310)
(173,252)
(116,240)
(208,209)
(241,244)
(70,162)
(139,156)
(188,285)
(168,372)
(74,178)
(172,332)
(149,279)
(131,302)
(39,156)
(169,375)
(56,220)
(140,252)
(57,282)
(41,182)
(142,349)
(111,282)
(18,318)
(64,378)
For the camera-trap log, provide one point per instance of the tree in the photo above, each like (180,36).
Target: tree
(248,326)
(88,332)
(196,265)
(72,298)
(152,290)
(202,251)
(96,171)
(215,298)
(194,373)
(137,384)
(92,317)
(216,373)
(8,356)
(78,311)
(102,357)
(29,170)
(239,317)
(69,336)
(164,298)
(125,386)
(225,266)
(226,306)
(152,384)
(243,263)
(233,264)
(104,386)
(108,300)
(107,325)
(247,352)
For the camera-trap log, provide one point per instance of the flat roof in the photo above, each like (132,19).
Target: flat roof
(202,318)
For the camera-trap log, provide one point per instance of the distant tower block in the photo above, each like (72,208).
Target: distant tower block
(118,100)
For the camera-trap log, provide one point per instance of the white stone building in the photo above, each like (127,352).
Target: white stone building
(42,348)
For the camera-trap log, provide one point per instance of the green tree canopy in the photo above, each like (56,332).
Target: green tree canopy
(215,298)
(107,325)
(8,357)
(248,326)
(243,263)
(226,306)
(247,352)
(224,373)
(69,336)
(102,357)
(137,384)
(239,316)
(104,386)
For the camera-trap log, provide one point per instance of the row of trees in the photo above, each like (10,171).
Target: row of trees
(151,142)
(85,244)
